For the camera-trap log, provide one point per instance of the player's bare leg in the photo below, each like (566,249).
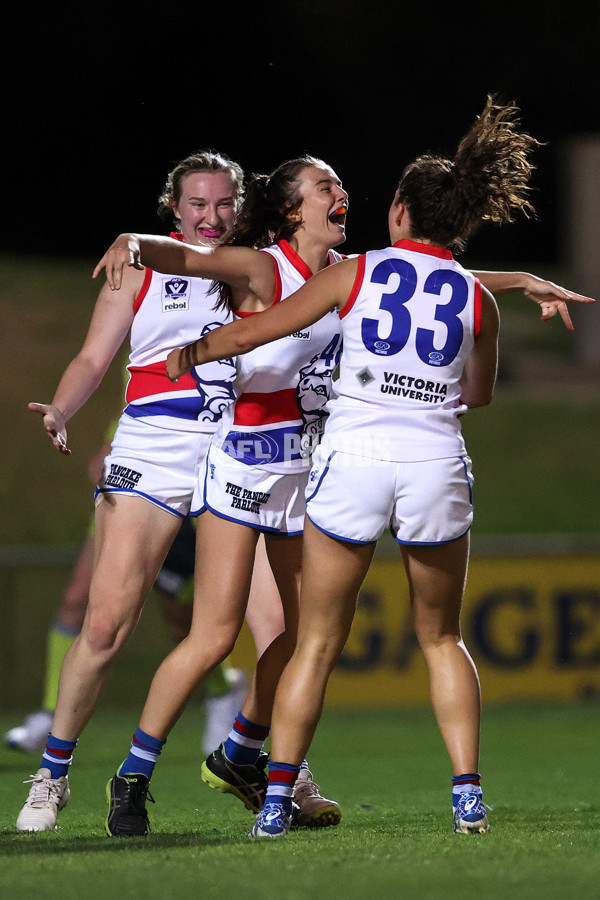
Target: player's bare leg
(436,576)
(333,572)
(224,560)
(131,540)
(264,613)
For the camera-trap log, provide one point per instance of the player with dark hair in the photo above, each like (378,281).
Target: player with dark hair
(420,349)
(258,462)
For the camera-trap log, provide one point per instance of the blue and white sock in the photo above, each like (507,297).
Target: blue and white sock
(58,756)
(143,754)
(245,741)
(282,778)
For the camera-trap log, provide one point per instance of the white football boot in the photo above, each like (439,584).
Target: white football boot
(46,797)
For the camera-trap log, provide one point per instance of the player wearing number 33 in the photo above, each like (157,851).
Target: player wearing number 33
(419,349)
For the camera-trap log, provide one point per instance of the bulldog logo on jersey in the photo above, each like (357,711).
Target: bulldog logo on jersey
(176,294)
(214,382)
(312,393)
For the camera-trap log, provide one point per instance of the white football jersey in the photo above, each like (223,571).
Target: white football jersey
(283,386)
(408,327)
(172,311)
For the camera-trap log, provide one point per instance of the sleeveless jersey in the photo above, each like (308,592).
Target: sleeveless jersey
(283,386)
(171,311)
(408,326)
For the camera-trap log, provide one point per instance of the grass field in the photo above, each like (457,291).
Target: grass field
(535,462)
(389,771)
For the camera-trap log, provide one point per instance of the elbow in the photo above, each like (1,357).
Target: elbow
(243,345)
(478,400)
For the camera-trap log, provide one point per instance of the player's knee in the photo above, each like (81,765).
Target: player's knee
(319,651)
(106,634)
(432,638)
(221,647)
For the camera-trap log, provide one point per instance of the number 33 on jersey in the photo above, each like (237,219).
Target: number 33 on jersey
(408,326)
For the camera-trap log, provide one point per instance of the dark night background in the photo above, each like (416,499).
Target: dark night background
(96,110)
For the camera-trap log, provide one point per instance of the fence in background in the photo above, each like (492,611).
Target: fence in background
(531,620)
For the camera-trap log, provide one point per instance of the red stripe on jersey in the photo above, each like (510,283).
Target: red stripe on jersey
(418,247)
(278,291)
(477,309)
(145,381)
(143,290)
(278,288)
(177,235)
(358,280)
(295,260)
(266,409)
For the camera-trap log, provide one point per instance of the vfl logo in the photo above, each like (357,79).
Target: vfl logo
(175,294)
(436,358)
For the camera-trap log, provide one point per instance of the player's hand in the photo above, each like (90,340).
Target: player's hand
(125,251)
(54,423)
(175,367)
(553,299)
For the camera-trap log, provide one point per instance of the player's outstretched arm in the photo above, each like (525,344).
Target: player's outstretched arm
(241,267)
(111,321)
(552,298)
(328,289)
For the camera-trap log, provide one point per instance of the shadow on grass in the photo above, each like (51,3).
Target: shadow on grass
(12,844)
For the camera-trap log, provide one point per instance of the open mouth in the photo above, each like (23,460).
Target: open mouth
(338,216)
(211,233)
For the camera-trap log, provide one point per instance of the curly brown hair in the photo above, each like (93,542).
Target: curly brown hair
(488,180)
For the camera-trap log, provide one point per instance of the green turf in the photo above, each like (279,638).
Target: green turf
(389,771)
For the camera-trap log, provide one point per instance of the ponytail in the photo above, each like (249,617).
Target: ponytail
(264,215)
(488,180)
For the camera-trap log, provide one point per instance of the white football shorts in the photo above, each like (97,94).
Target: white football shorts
(269,501)
(159,464)
(355,498)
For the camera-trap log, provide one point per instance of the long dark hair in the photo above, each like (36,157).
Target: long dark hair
(488,180)
(264,215)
